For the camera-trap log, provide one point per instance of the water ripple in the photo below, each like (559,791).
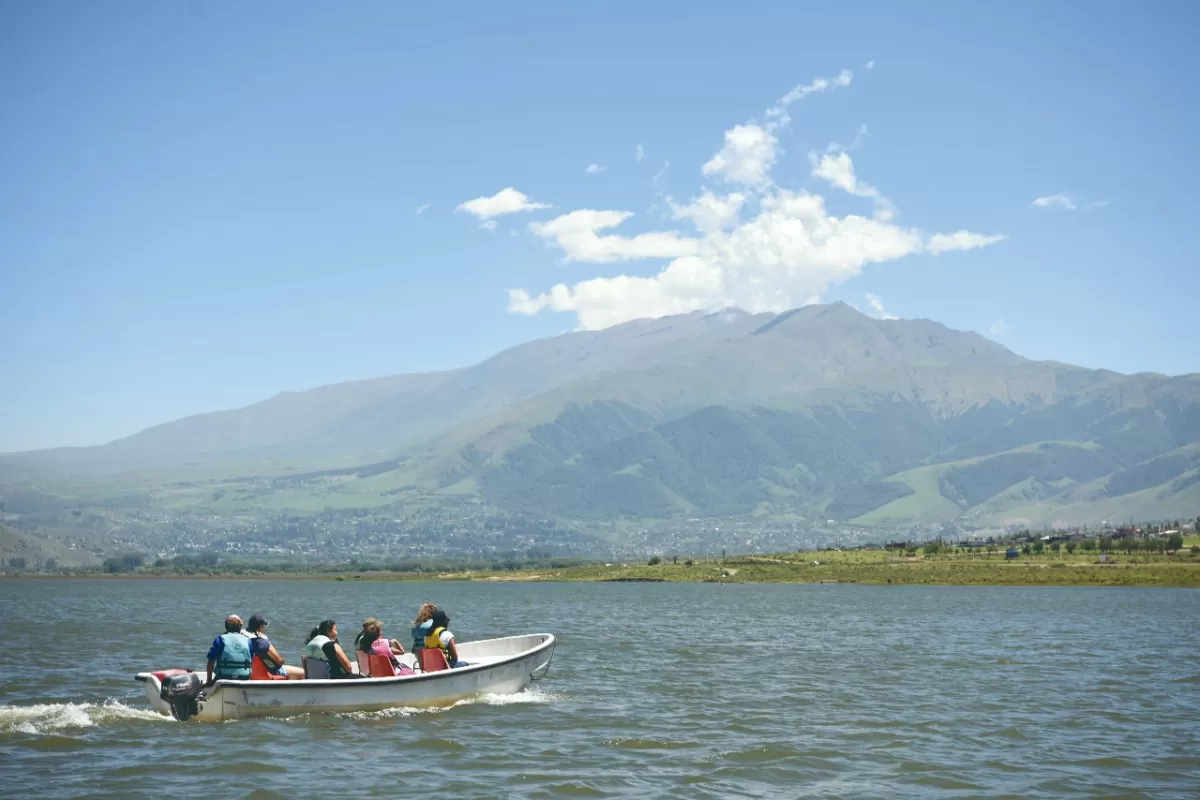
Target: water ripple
(691,691)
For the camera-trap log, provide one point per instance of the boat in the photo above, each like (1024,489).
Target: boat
(495,666)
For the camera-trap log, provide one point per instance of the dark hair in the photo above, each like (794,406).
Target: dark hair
(367,638)
(321,630)
(440,619)
(232,627)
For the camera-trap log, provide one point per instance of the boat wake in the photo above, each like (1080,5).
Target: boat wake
(61,718)
(67,718)
(528,697)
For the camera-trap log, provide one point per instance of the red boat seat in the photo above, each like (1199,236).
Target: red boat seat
(380,666)
(259,672)
(433,659)
(166,673)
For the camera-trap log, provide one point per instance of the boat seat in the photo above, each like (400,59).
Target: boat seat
(381,667)
(364,663)
(433,659)
(259,671)
(315,668)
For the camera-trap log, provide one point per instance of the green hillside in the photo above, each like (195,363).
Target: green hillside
(820,413)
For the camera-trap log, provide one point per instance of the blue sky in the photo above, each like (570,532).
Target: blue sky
(204,204)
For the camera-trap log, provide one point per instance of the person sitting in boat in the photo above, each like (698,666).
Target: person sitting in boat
(441,637)
(261,647)
(422,625)
(322,645)
(229,655)
(372,629)
(372,641)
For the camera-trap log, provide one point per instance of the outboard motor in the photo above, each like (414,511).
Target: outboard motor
(182,693)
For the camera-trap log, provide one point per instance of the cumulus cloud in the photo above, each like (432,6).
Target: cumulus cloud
(578,235)
(505,201)
(877,309)
(758,246)
(746,157)
(710,213)
(593,169)
(751,149)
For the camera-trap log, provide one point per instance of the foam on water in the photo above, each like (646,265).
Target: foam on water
(528,697)
(59,717)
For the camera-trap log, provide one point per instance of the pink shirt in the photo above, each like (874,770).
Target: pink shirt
(380,647)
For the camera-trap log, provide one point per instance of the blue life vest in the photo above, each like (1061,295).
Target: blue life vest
(234,661)
(419,632)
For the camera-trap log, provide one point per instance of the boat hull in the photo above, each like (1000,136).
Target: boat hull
(497,666)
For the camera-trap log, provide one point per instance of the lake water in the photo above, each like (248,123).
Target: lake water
(656,690)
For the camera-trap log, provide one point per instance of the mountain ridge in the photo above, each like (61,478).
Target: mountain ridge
(816,412)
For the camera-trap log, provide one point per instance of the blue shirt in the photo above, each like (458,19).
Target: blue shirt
(259,645)
(218,647)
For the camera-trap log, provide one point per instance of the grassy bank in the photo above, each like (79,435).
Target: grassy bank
(853,566)
(878,567)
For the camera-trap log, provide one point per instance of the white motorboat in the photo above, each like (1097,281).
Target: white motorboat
(495,666)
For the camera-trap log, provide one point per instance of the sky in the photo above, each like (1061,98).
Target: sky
(203,204)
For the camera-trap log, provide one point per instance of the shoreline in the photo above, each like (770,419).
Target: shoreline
(825,568)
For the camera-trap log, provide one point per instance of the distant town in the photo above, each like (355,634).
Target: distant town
(469,533)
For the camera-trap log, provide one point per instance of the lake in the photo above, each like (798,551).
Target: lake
(662,690)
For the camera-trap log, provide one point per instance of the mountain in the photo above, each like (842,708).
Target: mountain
(26,551)
(817,413)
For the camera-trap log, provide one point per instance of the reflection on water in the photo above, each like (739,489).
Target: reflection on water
(656,689)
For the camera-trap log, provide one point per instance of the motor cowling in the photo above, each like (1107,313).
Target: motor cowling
(182,693)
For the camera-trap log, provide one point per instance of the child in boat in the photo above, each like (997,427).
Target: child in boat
(422,625)
(372,641)
(441,637)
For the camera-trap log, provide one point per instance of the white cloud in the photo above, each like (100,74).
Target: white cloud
(777,116)
(709,212)
(870,65)
(999,327)
(423,209)
(658,176)
(505,201)
(639,152)
(877,309)
(746,158)
(838,169)
(793,248)
(1056,201)
(578,235)
(960,240)
(760,248)
(594,169)
(751,149)
(488,224)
